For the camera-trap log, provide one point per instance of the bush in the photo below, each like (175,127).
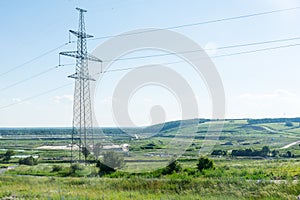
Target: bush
(104,169)
(205,163)
(28,161)
(289,124)
(75,167)
(173,167)
(7,156)
(219,153)
(264,152)
(288,154)
(75,170)
(111,162)
(56,168)
(113,159)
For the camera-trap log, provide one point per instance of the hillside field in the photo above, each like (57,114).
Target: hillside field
(253,159)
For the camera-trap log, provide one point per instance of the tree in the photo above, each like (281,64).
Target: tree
(111,162)
(248,152)
(289,124)
(7,156)
(274,153)
(28,161)
(205,163)
(97,150)
(104,169)
(113,159)
(173,166)
(85,152)
(219,153)
(265,151)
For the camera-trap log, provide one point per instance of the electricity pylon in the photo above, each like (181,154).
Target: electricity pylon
(82,133)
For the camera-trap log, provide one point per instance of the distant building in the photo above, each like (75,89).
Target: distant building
(114,147)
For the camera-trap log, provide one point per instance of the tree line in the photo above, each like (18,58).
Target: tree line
(264,152)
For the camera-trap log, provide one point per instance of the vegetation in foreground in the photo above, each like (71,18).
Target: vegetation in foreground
(252,160)
(202,179)
(141,188)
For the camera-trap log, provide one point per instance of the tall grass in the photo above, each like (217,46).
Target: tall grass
(140,188)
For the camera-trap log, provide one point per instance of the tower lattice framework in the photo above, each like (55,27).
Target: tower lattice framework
(82,132)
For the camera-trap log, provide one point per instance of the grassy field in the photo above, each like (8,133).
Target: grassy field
(234,177)
(139,188)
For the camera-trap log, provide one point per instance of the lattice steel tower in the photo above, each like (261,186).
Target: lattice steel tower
(82,134)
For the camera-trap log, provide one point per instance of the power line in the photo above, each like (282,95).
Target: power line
(115,70)
(170,28)
(35,96)
(164,54)
(200,23)
(199,50)
(220,56)
(32,77)
(176,62)
(258,43)
(27,79)
(257,50)
(33,59)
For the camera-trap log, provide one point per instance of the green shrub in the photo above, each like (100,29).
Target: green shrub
(7,156)
(173,167)
(28,161)
(104,169)
(56,168)
(289,124)
(219,152)
(205,163)
(74,168)
(113,159)
(111,162)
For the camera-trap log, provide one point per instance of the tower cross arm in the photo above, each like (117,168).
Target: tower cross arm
(94,58)
(81,10)
(82,77)
(73,54)
(80,34)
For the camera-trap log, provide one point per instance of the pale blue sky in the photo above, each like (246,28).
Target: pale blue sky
(263,84)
